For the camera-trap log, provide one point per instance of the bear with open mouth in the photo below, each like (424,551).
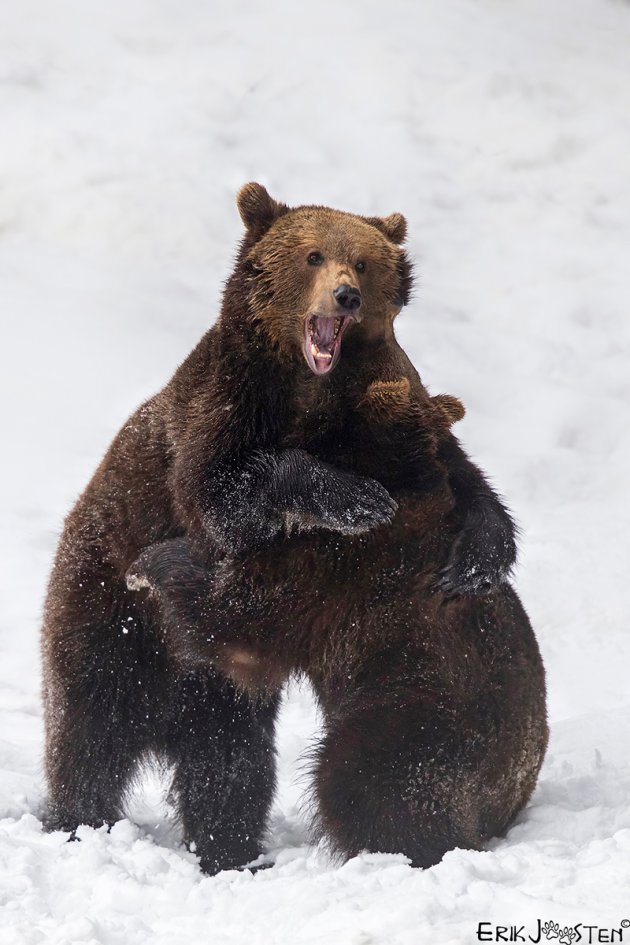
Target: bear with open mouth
(263,446)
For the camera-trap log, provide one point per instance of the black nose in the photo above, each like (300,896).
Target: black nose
(348,297)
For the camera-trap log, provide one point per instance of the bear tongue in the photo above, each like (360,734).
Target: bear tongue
(324,332)
(322,341)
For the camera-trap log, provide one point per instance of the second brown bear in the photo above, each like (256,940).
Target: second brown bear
(434,712)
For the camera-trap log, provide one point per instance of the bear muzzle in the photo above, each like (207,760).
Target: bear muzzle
(322,340)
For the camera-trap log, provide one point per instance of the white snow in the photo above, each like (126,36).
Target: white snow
(502,130)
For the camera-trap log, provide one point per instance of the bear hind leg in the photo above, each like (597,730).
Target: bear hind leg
(396,780)
(90,762)
(221,746)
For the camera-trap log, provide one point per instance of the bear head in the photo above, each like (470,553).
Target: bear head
(316,274)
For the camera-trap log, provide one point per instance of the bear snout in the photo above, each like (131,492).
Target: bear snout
(348,297)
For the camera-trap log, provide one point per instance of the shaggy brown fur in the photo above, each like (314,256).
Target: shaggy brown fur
(219,456)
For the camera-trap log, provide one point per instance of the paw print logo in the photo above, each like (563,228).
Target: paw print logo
(567,936)
(551,930)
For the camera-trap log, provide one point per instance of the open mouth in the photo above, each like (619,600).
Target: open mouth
(322,341)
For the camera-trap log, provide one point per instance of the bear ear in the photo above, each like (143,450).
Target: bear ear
(451,407)
(257,209)
(394,227)
(405,280)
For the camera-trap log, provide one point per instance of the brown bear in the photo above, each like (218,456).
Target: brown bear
(213,457)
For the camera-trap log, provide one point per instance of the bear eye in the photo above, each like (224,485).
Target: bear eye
(360,266)
(314,259)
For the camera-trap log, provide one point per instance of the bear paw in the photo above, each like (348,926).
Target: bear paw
(353,505)
(165,566)
(475,566)
(313,494)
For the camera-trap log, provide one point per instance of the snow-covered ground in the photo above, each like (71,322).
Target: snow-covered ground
(502,130)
